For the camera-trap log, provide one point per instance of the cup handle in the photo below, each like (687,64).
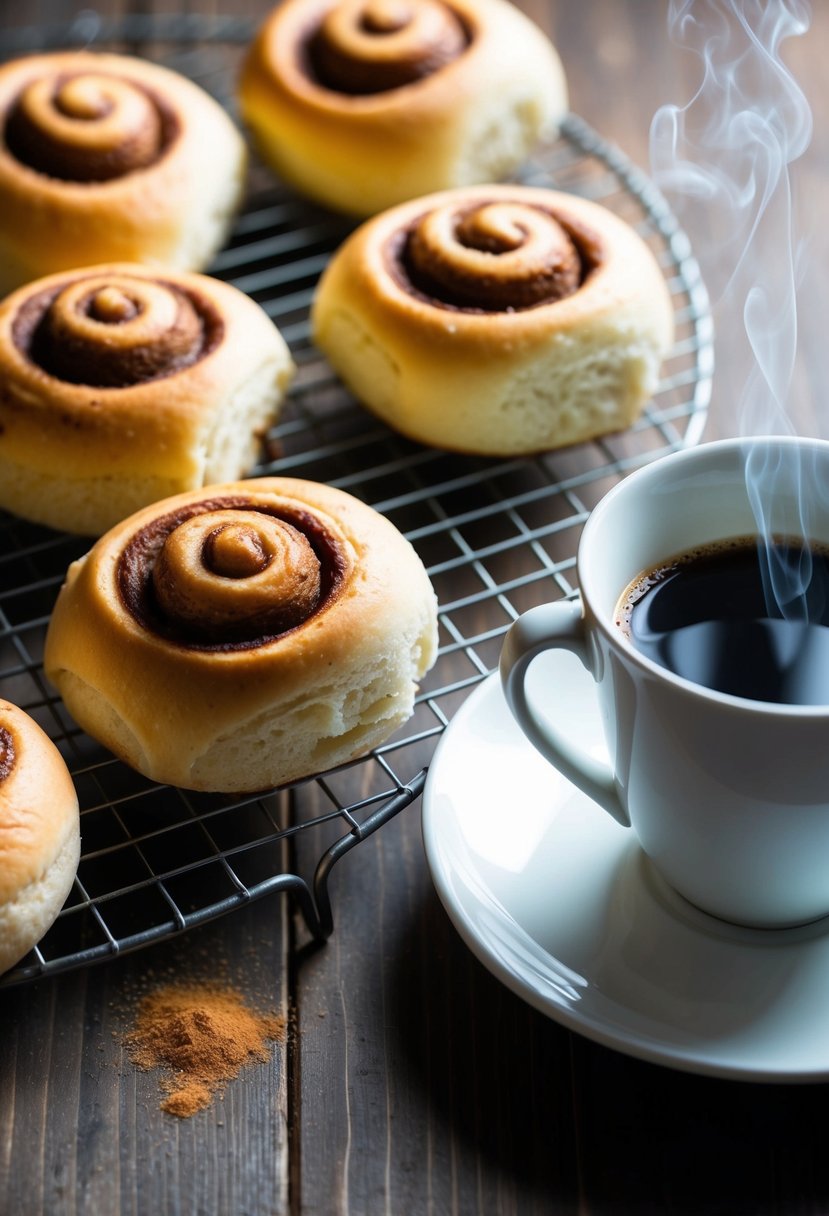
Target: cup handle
(548,627)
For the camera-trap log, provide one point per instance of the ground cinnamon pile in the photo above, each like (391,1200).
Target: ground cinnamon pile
(202,1035)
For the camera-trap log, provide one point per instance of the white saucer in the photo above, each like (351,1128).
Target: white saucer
(559,902)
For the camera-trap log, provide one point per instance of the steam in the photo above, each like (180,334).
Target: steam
(724,161)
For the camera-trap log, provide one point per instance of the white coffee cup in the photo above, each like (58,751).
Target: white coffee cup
(729,797)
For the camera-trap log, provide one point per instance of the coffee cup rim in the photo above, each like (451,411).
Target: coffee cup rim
(604,622)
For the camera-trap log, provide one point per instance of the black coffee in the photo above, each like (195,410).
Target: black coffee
(711,616)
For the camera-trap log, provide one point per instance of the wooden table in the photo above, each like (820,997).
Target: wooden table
(412,1081)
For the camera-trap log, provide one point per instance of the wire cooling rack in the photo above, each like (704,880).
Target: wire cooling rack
(496,537)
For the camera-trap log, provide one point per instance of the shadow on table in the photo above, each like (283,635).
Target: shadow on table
(561,1124)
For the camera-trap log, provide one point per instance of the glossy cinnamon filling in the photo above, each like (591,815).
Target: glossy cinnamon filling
(371,46)
(230,573)
(113,331)
(88,126)
(492,256)
(7,753)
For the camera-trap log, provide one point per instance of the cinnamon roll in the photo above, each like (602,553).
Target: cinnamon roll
(120,385)
(244,636)
(39,833)
(362,104)
(111,158)
(496,320)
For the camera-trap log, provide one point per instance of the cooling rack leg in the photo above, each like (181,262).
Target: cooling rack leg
(321,921)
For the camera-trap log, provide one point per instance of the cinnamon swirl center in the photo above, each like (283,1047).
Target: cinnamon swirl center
(115,330)
(88,126)
(370,46)
(229,574)
(493,256)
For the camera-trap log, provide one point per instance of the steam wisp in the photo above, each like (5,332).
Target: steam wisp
(724,161)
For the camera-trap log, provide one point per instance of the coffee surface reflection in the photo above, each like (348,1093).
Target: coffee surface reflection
(712,616)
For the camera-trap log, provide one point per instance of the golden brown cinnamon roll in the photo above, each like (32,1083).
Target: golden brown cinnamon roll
(39,833)
(362,104)
(496,320)
(120,385)
(110,158)
(244,636)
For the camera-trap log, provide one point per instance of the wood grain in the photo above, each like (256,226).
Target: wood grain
(81,1129)
(413,1082)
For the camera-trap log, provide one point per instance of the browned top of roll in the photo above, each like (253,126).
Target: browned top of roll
(456,275)
(368,54)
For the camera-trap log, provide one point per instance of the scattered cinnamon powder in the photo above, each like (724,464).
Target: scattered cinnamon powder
(202,1035)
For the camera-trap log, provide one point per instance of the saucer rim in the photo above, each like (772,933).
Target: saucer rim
(629,1042)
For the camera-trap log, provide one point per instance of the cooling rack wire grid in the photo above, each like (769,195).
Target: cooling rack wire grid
(496,537)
